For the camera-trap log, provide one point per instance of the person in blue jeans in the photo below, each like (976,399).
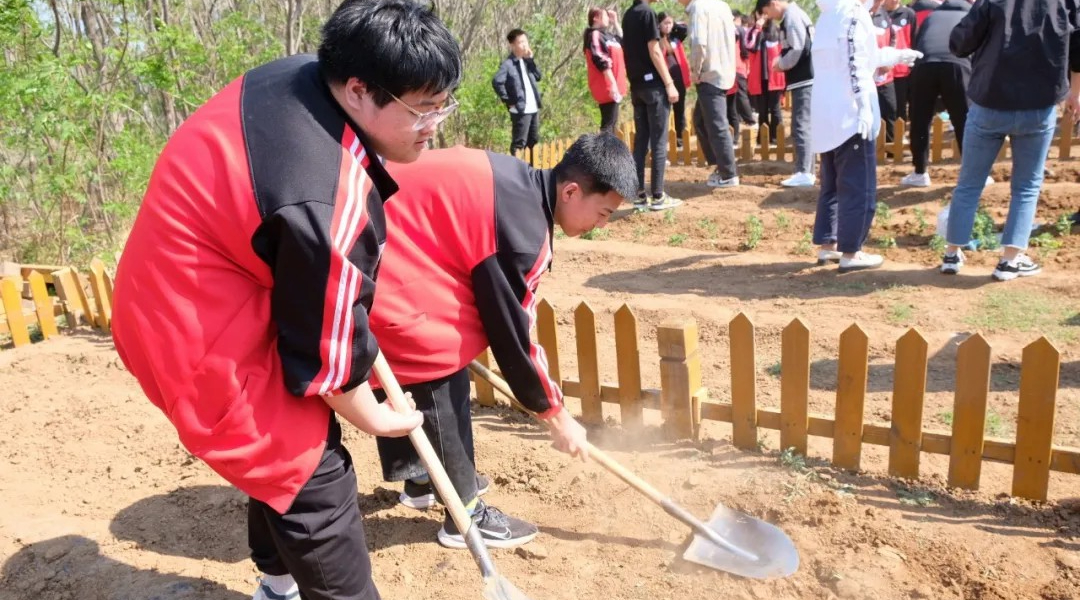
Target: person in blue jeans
(1021,64)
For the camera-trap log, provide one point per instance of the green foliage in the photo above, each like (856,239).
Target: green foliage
(669,216)
(937,244)
(677,239)
(1046,241)
(921,223)
(783,221)
(882,215)
(983,232)
(595,234)
(1063,224)
(755,230)
(805,243)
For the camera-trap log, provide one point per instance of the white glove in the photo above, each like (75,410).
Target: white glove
(890,57)
(865,125)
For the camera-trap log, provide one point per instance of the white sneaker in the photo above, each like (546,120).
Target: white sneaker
(989,180)
(664,202)
(716,181)
(951,263)
(799,180)
(916,180)
(825,257)
(861,261)
(265,592)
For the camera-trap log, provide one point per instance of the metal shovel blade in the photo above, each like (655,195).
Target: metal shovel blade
(767,551)
(497,587)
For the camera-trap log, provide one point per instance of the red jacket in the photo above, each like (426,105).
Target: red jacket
(883,26)
(903,29)
(469,239)
(742,65)
(604,51)
(242,294)
(761,56)
(680,59)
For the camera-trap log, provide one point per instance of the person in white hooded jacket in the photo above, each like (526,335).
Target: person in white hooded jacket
(845,120)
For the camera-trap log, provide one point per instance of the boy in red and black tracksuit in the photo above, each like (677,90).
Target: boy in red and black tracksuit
(922,9)
(606,67)
(904,29)
(470,237)
(242,296)
(886,89)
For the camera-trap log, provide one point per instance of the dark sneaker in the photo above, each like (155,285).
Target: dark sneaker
(498,529)
(421,496)
(642,201)
(1021,266)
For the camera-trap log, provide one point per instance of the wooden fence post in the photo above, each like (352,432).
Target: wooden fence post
(850,398)
(1065,143)
(680,374)
(763,141)
(1035,418)
(101,296)
(898,141)
(629,364)
(11,295)
(673,148)
(747,150)
(969,412)
(43,305)
(687,151)
(485,394)
(881,143)
(781,143)
(743,383)
(909,389)
(794,386)
(547,335)
(592,409)
(69,288)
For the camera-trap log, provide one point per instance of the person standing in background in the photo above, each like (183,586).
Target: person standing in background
(652,91)
(796,63)
(904,30)
(739,110)
(675,55)
(765,84)
(606,69)
(922,10)
(1022,57)
(883,77)
(939,74)
(712,68)
(516,84)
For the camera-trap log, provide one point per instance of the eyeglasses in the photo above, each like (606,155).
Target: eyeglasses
(427,119)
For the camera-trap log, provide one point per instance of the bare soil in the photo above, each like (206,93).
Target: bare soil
(101,502)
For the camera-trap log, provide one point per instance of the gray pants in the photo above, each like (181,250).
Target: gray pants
(711,125)
(651,111)
(800,129)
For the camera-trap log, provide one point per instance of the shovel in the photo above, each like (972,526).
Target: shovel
(496,587)
(731,541)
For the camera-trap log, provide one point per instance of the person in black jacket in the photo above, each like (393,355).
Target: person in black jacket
(1021,61)
(938,74)
(516,85)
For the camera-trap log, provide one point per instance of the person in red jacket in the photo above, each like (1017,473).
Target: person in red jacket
(672,47)
(739,111)
(606,69)
(904,22)
(241,300)
(884,77)
(765,83)
(471,235)
(922,9)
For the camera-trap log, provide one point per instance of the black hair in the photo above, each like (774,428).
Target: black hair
(514,34)
(393,46)
(661,16)
(737,13)
(599,163)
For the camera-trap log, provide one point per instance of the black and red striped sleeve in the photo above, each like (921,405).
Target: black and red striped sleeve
(598,51)
(505,283)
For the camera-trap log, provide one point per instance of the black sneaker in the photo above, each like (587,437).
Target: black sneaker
(421,496)
(498,529)
(1021,266)
(642,200)
(951,263)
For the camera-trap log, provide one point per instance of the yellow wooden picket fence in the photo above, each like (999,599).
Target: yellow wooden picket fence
(753,148)
(684,403)
(27,303)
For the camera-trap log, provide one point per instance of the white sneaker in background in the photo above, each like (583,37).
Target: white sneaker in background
(828,256)
(799,180)
(716,181)
(916,180)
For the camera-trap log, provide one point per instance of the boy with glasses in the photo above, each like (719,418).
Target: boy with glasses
(242,298)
